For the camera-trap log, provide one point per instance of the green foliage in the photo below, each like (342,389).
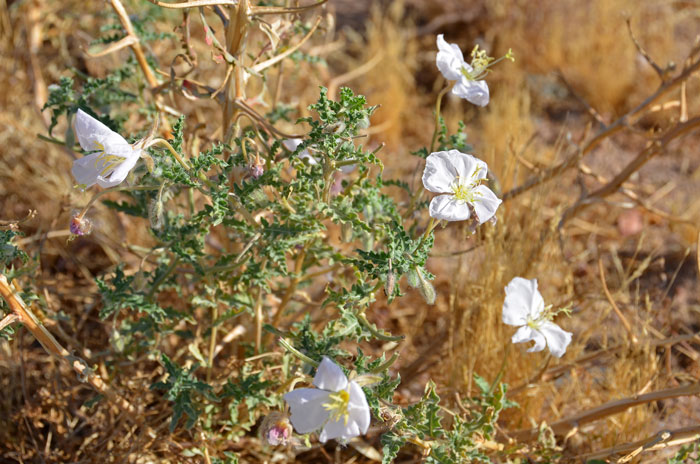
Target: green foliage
(251,392)
(8,250)
(686,454)
(447,141)
(460,442)
(183,389)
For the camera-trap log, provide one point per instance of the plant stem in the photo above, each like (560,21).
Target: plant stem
(212,341)
(438,105)
(288,346)
(172,151)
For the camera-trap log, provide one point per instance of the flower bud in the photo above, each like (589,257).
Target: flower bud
(256,170)
(155,214)
(412,276)
(390,283)
(346,231)
(276,429)
(80,225)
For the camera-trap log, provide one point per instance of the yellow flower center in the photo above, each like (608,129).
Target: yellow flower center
(106,161)
(463,192)
(338,406)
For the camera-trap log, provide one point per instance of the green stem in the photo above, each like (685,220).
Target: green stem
(172,151)
(386,364)
(438,105)
(110,190)
(376,332)
(504,363)
(161,278)
(288,346)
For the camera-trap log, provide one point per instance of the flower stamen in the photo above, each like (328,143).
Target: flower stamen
(338,406)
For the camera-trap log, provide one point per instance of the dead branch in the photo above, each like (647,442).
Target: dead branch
(562,427)
(26,317)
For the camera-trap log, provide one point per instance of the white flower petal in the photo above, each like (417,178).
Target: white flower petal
(92,135)
(439,174)
(306,405)
(449,59)
(443,167)
(337,429)
(540,341)
(329,376)
(476,92)
(358,407)
(85,170)
(449,208)
(120,172)
(557,338)
(523,334)
(485,203)
(291,144)
(521,295)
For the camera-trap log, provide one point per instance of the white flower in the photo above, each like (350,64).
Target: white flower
(524,307)
(113,156)
(451,64)
(337,405)
(459,176)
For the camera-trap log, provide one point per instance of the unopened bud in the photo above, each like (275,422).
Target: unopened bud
(390,284)
(256,170)
(80,225)
(155,214)
(276,429)
(425,287)
(346,232)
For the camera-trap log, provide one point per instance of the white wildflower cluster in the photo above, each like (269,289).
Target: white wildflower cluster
(338,406)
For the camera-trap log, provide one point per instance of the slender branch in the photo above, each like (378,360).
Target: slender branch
(140,55)
(645,155)
(194,3)
(624,121)
(663,439)
(260,10)
(275,59)
(562,427)
(52,347)
(127,41)
(8,320)
(652,63)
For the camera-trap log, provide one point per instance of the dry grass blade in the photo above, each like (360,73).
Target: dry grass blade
(622,317)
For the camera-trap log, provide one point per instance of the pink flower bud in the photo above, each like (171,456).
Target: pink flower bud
(256,170)
(276,429)
(80,225)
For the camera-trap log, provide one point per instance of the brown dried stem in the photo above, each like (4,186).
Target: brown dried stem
(608,295)
(653,149)
(140,57)
(562,427)
(605,132)
(663,439)
(26,317)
